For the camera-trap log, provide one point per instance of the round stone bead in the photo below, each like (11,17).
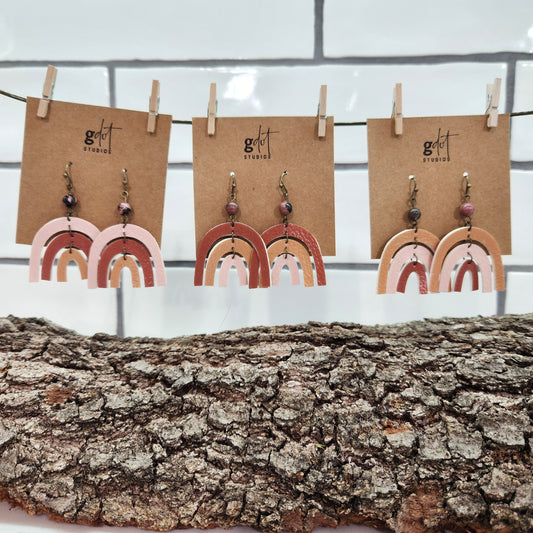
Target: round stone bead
(232,208)
(285,208)
(414,214)
(69,200)
(467,209)
(124,208)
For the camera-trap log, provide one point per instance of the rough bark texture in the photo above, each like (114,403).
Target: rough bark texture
(418,427)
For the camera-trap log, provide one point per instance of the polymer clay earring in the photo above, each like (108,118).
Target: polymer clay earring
(122,246)
(237,245)
(410,251)
(69,233)
(289,245)
(467,249)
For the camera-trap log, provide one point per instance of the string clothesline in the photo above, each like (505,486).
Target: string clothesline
(176,121)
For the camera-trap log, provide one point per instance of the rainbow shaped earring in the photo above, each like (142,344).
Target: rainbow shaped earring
(116,247)
(238,245)
(288,244)
(69,233)
(410,251)
(467,249)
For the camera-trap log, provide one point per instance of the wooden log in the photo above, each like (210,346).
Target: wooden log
(416,427)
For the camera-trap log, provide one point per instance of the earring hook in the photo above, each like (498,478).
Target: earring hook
(125,192)
(468,186)
(67,175)
(413,189)
(233,186)
(282,185)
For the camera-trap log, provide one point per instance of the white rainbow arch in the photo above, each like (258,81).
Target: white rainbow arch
(456,256)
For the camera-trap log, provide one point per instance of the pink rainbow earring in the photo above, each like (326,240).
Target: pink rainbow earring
(69,233)
(467,249)
(238,245)
(288,244)
(410,251)
(121,246)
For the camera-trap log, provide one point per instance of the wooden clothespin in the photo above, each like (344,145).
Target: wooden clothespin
(48,90)
(397,109)
(153,108)
(212,109)
(322,116)
(493,101)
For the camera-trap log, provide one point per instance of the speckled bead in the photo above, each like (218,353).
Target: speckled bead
(232,208)
(285,208)
(124,208)
(414,214)
(467,209)
(69,200)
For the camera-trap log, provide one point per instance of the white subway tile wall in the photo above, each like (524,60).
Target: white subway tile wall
(267,59)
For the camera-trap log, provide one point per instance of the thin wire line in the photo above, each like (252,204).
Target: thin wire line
(175,121)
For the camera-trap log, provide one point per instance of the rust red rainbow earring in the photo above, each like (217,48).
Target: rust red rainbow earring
(410,251)
(467,249)
(237,245)
(122,246)
(69,233)
(289,245)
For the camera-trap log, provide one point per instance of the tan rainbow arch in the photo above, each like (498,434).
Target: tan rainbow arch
(391,263)
(459,236)
(65,258)
(299,251)
(223,248)
(119,265)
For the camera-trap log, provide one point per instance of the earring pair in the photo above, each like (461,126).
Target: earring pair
(441,264)
(258,258)
(100,255)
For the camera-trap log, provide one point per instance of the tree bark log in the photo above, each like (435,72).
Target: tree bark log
(417,427)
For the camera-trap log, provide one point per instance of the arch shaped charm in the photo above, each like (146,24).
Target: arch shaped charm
(392,262)
(258,261)
(459,256)
(118,266)
(65,258)
(276,250)
(221,249)
(137,242)
(291,263)
(297,233)
(460,236)
(59,230)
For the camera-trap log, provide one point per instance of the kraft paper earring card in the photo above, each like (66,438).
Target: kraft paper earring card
(258,150)
(438,150)
(99,142)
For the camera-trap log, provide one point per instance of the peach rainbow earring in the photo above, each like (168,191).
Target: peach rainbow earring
(288,244)
(69,233)
(122,246)
(410,251)
(467,249)
(237,245)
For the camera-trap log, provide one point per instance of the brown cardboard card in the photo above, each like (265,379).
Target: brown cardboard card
(438,150)
(258,150)
(100,142)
